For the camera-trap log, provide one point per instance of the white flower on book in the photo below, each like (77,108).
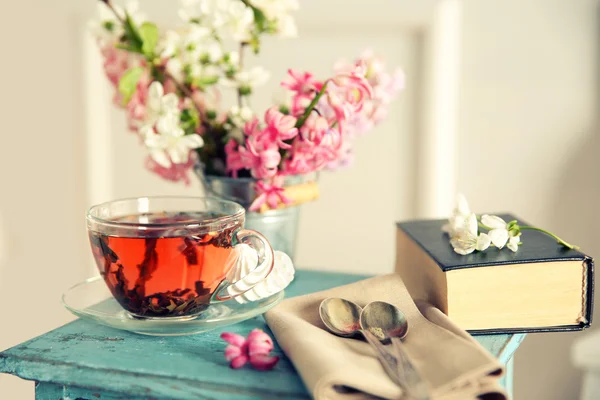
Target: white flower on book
(464,230)
(465,239)
(459,215)
(498,232)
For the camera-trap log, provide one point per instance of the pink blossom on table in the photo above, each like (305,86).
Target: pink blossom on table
(174,173)
(280,127)
(263,362)
(270,193)
(259,343)
(255,349)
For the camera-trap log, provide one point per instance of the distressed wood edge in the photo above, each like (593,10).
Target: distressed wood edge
(69,374)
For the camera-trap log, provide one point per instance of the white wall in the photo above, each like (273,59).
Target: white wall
(528,143)
(42,186)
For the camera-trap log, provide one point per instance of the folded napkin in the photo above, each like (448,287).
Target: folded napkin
(453,364)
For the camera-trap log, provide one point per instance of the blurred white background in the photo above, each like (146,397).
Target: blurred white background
(501,104)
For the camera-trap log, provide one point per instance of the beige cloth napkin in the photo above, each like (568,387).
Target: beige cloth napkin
(454,365)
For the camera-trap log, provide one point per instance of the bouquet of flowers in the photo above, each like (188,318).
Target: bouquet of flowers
(171,84)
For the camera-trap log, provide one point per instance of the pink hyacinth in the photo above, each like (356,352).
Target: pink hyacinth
(301,83)
(314,128)
(270,193)
(262,159)
(255,349)
(308,156)
(280,127)
(304,87)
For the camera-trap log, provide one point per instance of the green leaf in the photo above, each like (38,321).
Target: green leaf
(127,47)
(260,19)
(128,83)
(149,35)
(132,33)
(190,120)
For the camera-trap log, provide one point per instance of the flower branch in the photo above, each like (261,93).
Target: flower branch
(169,81)
(466,236)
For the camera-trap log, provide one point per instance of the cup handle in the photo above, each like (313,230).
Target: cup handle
(266,260)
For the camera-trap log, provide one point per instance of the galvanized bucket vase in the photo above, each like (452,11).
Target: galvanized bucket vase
(279,226)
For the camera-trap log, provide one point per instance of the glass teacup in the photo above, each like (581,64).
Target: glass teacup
(171,256)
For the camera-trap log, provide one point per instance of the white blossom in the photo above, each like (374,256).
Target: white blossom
(238,116)
(160,105)
(249,79)
(168,143)
(498,229)
(465,239)
(230,18)
(460,213)
(279,11)
(513,242)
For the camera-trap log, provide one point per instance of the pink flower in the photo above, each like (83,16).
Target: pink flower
(261,161)
(116,62)
(301,83)
(270,193)
(176,172)
(251,127)
(355,85)
(280,127)
(314,128)
(255,349)
(308,156)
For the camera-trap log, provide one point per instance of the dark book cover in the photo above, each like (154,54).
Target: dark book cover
(537,247)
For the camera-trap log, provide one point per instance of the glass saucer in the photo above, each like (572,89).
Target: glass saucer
(91,300)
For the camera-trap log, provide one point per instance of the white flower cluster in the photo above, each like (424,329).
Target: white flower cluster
(162,132)
(278,12)
(465,237)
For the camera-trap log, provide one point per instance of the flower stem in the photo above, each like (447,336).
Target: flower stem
(559,240)
(241,65)
(112,8)
(481,225)
(310,107)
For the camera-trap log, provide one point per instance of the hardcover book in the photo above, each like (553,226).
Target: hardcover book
(542,287)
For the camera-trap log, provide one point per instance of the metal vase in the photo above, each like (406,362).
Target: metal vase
(279,226)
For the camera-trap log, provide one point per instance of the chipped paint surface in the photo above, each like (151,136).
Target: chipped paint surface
(81,360)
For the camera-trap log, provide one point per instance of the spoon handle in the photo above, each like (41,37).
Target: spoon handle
(417,387)
(390,362)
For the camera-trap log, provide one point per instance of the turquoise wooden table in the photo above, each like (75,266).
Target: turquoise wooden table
(85,361)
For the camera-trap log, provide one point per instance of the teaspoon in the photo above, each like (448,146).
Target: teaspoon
(342,318)
(386,322)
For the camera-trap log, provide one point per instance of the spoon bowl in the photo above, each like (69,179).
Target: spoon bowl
(384,320)
(340,316)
